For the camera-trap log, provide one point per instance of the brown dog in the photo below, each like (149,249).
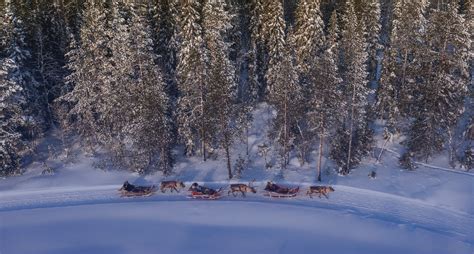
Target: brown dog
(172,185)
(321,190)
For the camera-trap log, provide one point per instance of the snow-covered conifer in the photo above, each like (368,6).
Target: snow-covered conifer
(86,62)
(445,76)
(350,143)
(193,113)
(325,98)
(220,76)
(285,95)
(149,125)
(371,21)
(273,33)
(15,88)
(308,32)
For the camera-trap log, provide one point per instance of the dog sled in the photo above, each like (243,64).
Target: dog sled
(202,192)
(130,190)
(277,191)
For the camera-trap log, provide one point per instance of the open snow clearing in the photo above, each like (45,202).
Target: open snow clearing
(350,221)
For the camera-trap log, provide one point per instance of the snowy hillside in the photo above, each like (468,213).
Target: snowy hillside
(79,210)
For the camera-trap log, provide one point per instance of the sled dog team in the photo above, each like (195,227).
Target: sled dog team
(198,191)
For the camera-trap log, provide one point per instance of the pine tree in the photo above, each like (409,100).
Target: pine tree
(326,100)
(444,82)
(370,17)
(86,62)
(220,76)
(246,67)
(116,84)
(281,77)
(167,27)
(149,123)
(398,89)
(257,55)
(352,141)
(308,33)
(11,121)
(309,43)
(14,81)
(285,95)
(273,34)
(193,111)
(49,43)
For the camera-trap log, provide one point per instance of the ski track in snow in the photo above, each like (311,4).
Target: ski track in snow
(411,213)
(426,165)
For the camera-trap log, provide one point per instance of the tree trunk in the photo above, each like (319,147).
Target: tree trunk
(247,139)
(383,148)
(285,158)
(402,88)
(227,153)
(321,140)
(351,129)
(203,127)
(203,147)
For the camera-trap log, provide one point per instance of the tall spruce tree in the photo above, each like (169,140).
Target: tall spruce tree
(285,95)
(326,99)
(445,75)
(258,55)
(308,33)
(398,87)
(220,76)
(49,43)
(193,112)
(326,91)
(353,139)
(149,125)
(166,40)
(371,19)
(12,99)
(309,43)
(86,61)
(283,90)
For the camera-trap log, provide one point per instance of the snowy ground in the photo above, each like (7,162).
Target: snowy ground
(96,220)
(215,227)
(78,210)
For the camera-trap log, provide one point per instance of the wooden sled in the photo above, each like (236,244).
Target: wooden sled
(141,192)
(199,195)
(290,194)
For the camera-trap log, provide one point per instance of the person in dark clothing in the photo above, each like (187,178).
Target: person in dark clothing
(128,187)
(201,189)
(275,188)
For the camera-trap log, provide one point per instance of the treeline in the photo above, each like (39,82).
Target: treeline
(137,79)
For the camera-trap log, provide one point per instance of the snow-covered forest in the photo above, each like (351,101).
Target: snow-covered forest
(139,84)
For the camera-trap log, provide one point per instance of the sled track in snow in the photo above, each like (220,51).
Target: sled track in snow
(411,213)
(426,165)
